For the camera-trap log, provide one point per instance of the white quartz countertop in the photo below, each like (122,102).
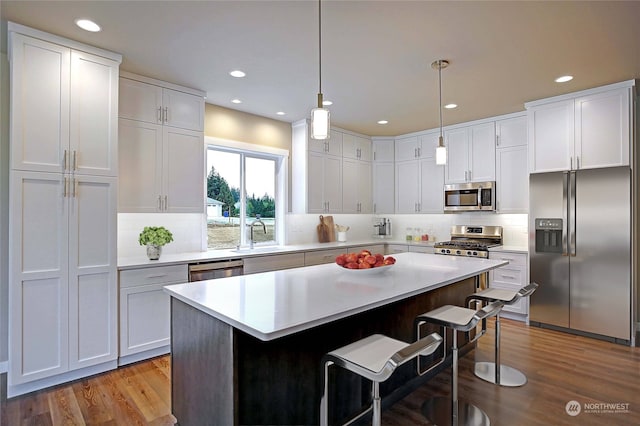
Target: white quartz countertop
(511,249)
(214,255)
(270,305)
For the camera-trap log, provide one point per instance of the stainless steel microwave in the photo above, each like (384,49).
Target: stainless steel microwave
(472,196)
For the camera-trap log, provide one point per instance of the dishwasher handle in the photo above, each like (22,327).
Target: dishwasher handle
(212,266)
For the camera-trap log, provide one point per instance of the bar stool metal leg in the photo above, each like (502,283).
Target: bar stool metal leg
(495,372)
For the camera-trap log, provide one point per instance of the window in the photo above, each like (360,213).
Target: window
(244,183)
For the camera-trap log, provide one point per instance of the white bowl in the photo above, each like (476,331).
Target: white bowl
(368,271)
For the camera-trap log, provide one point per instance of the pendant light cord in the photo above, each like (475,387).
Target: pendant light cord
(320,47)
(440,85)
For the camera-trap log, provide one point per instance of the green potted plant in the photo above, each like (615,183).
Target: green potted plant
(154,237)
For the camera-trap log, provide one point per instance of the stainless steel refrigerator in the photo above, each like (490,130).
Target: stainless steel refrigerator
(580,250)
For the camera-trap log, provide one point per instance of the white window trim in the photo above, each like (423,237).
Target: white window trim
(282,174)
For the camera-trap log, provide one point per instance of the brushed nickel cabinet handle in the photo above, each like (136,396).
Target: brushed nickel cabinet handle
(160,202)
(75,160)
(64,160)
(166,114)
(166,203)
(160,114)
(64,189)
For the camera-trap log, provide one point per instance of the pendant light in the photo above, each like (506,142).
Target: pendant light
(441,150)
(320,115)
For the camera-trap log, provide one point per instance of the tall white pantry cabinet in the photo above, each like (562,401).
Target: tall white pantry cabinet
(63,198)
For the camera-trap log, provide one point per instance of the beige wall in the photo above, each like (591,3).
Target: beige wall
(239,126)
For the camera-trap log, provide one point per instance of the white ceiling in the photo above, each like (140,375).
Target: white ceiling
(376,54)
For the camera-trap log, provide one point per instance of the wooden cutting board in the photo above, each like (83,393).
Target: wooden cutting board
(326,229)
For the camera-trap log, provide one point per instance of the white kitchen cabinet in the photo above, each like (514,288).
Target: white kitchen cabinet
(407,179)
(428,144)
(256,264)
(64,108)
(356,186)
(319,257)
(383,187)
(324,183)
(145,311)
(63,293)
(153,103)
(161,166)
(431,186)
(584,130)
(396,248)
(512,176)
(470,153)
(511,277)
(356,147)
(383,149)
(331,146)
(407,148)
(419,186)
(63,201)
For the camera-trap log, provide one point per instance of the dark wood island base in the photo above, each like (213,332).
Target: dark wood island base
(223,376)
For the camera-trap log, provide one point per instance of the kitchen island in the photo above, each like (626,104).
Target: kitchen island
(247,350)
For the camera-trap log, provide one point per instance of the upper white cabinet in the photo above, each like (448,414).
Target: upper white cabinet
(470,153)
(407,148)
(512,177)
(63,108)
(356,147)
(63,198)
(161,157)
(584,130)
(383,179)
(153,103)
(324,183)
(356,186)
(331,146)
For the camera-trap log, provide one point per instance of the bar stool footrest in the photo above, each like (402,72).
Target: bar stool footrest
(438,411)
(509,376)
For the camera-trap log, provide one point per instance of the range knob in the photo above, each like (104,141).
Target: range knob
(458,252)
(475,253)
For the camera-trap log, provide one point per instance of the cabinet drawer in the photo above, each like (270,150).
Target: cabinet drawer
(379,248)
(520,307)
(515,259)
(155,275)
(512,278)
(422,249)
(323,256)
(253,265)
(396,248)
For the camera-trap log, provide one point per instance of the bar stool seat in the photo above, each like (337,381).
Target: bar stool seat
(375,358)
(446,411)
(495,372)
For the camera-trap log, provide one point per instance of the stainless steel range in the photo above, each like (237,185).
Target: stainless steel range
(472,241)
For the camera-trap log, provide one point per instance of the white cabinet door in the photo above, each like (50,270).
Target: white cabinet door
(511,132)
(383,150)
(145,318)
(93,299)
(551,137)
(383,188)
(350,186)
(365,193)
(38,291)
(406,148)
(457,167)
(325,184)
(140,101)
(431,186)
(334,144)
(140,167)
(315,189)
(257,264)
(512,180)
(428,144)
(366,149)
(183,110)
(602,130)
(350,146)
(93,140)
(183,171)
(407,190)
(332,186)
(40,81)
(482,153)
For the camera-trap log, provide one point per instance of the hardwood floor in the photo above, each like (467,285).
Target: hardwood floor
(560,368)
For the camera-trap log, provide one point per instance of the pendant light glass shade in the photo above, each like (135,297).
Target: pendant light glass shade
(320,123)
(441,153)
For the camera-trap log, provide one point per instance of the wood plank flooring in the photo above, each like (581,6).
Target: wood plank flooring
(560,368)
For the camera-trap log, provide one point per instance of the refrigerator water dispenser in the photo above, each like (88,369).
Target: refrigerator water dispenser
(548,235)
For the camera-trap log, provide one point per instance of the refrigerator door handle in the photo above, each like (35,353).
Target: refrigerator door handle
(572,214)
(565,212)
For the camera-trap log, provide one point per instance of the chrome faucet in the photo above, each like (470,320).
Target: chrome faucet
(250,225)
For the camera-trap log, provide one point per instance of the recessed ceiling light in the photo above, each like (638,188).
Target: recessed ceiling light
(383,122)
(564,79)
(237,73)
(327,103)
(280,113)
(451,106)
(88,25)
(236,101)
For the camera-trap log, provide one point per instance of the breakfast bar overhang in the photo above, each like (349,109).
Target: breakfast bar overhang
(248,349)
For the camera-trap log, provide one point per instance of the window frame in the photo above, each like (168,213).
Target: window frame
(281,158)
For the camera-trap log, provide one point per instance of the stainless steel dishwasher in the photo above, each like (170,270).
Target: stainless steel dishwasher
(218,269)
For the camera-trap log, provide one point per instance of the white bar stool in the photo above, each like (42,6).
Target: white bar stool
(375,358)
(495,372)
(444,411)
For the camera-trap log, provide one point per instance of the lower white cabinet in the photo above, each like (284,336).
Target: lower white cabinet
(145,311)
(512,277)
(253,265)
(422,249)
(396,248)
